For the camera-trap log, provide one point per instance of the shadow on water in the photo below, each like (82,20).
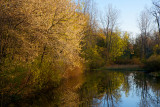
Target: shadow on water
(103,89)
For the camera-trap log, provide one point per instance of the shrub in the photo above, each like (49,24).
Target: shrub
(134,61)
(153,63)
(93,58)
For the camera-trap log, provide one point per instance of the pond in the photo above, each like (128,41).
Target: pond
(103,89)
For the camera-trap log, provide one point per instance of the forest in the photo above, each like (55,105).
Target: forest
(44,42)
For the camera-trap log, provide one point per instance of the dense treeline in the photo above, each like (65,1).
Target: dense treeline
(44,41)
(147,44)
(39,43)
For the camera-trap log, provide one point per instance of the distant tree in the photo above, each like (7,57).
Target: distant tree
(156,12)
(144,27)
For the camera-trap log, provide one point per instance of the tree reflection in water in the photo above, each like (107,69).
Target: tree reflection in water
(103,89)
(105,86)
(106,89)
(148,89)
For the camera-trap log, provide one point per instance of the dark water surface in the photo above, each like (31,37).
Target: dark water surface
(103,89)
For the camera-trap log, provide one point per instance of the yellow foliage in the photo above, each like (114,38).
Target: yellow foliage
(118,45)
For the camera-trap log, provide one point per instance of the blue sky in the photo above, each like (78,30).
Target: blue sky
(129,12)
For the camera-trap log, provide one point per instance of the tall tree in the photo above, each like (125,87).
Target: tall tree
(144,27)
(109,22)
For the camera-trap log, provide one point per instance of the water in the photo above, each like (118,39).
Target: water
(103,89)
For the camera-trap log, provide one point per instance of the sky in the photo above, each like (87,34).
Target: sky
(129,12)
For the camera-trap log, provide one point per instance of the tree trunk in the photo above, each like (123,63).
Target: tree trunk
(43,54)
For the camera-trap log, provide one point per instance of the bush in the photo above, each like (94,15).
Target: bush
(93,58)
(134,61)
(153,63)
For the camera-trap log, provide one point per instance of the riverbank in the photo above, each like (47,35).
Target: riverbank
(123,67)
(129,68)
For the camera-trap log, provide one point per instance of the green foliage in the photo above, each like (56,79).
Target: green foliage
(44,73)
(117,46)
(93,48)
(100,49)
(93,58)
(13,78)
